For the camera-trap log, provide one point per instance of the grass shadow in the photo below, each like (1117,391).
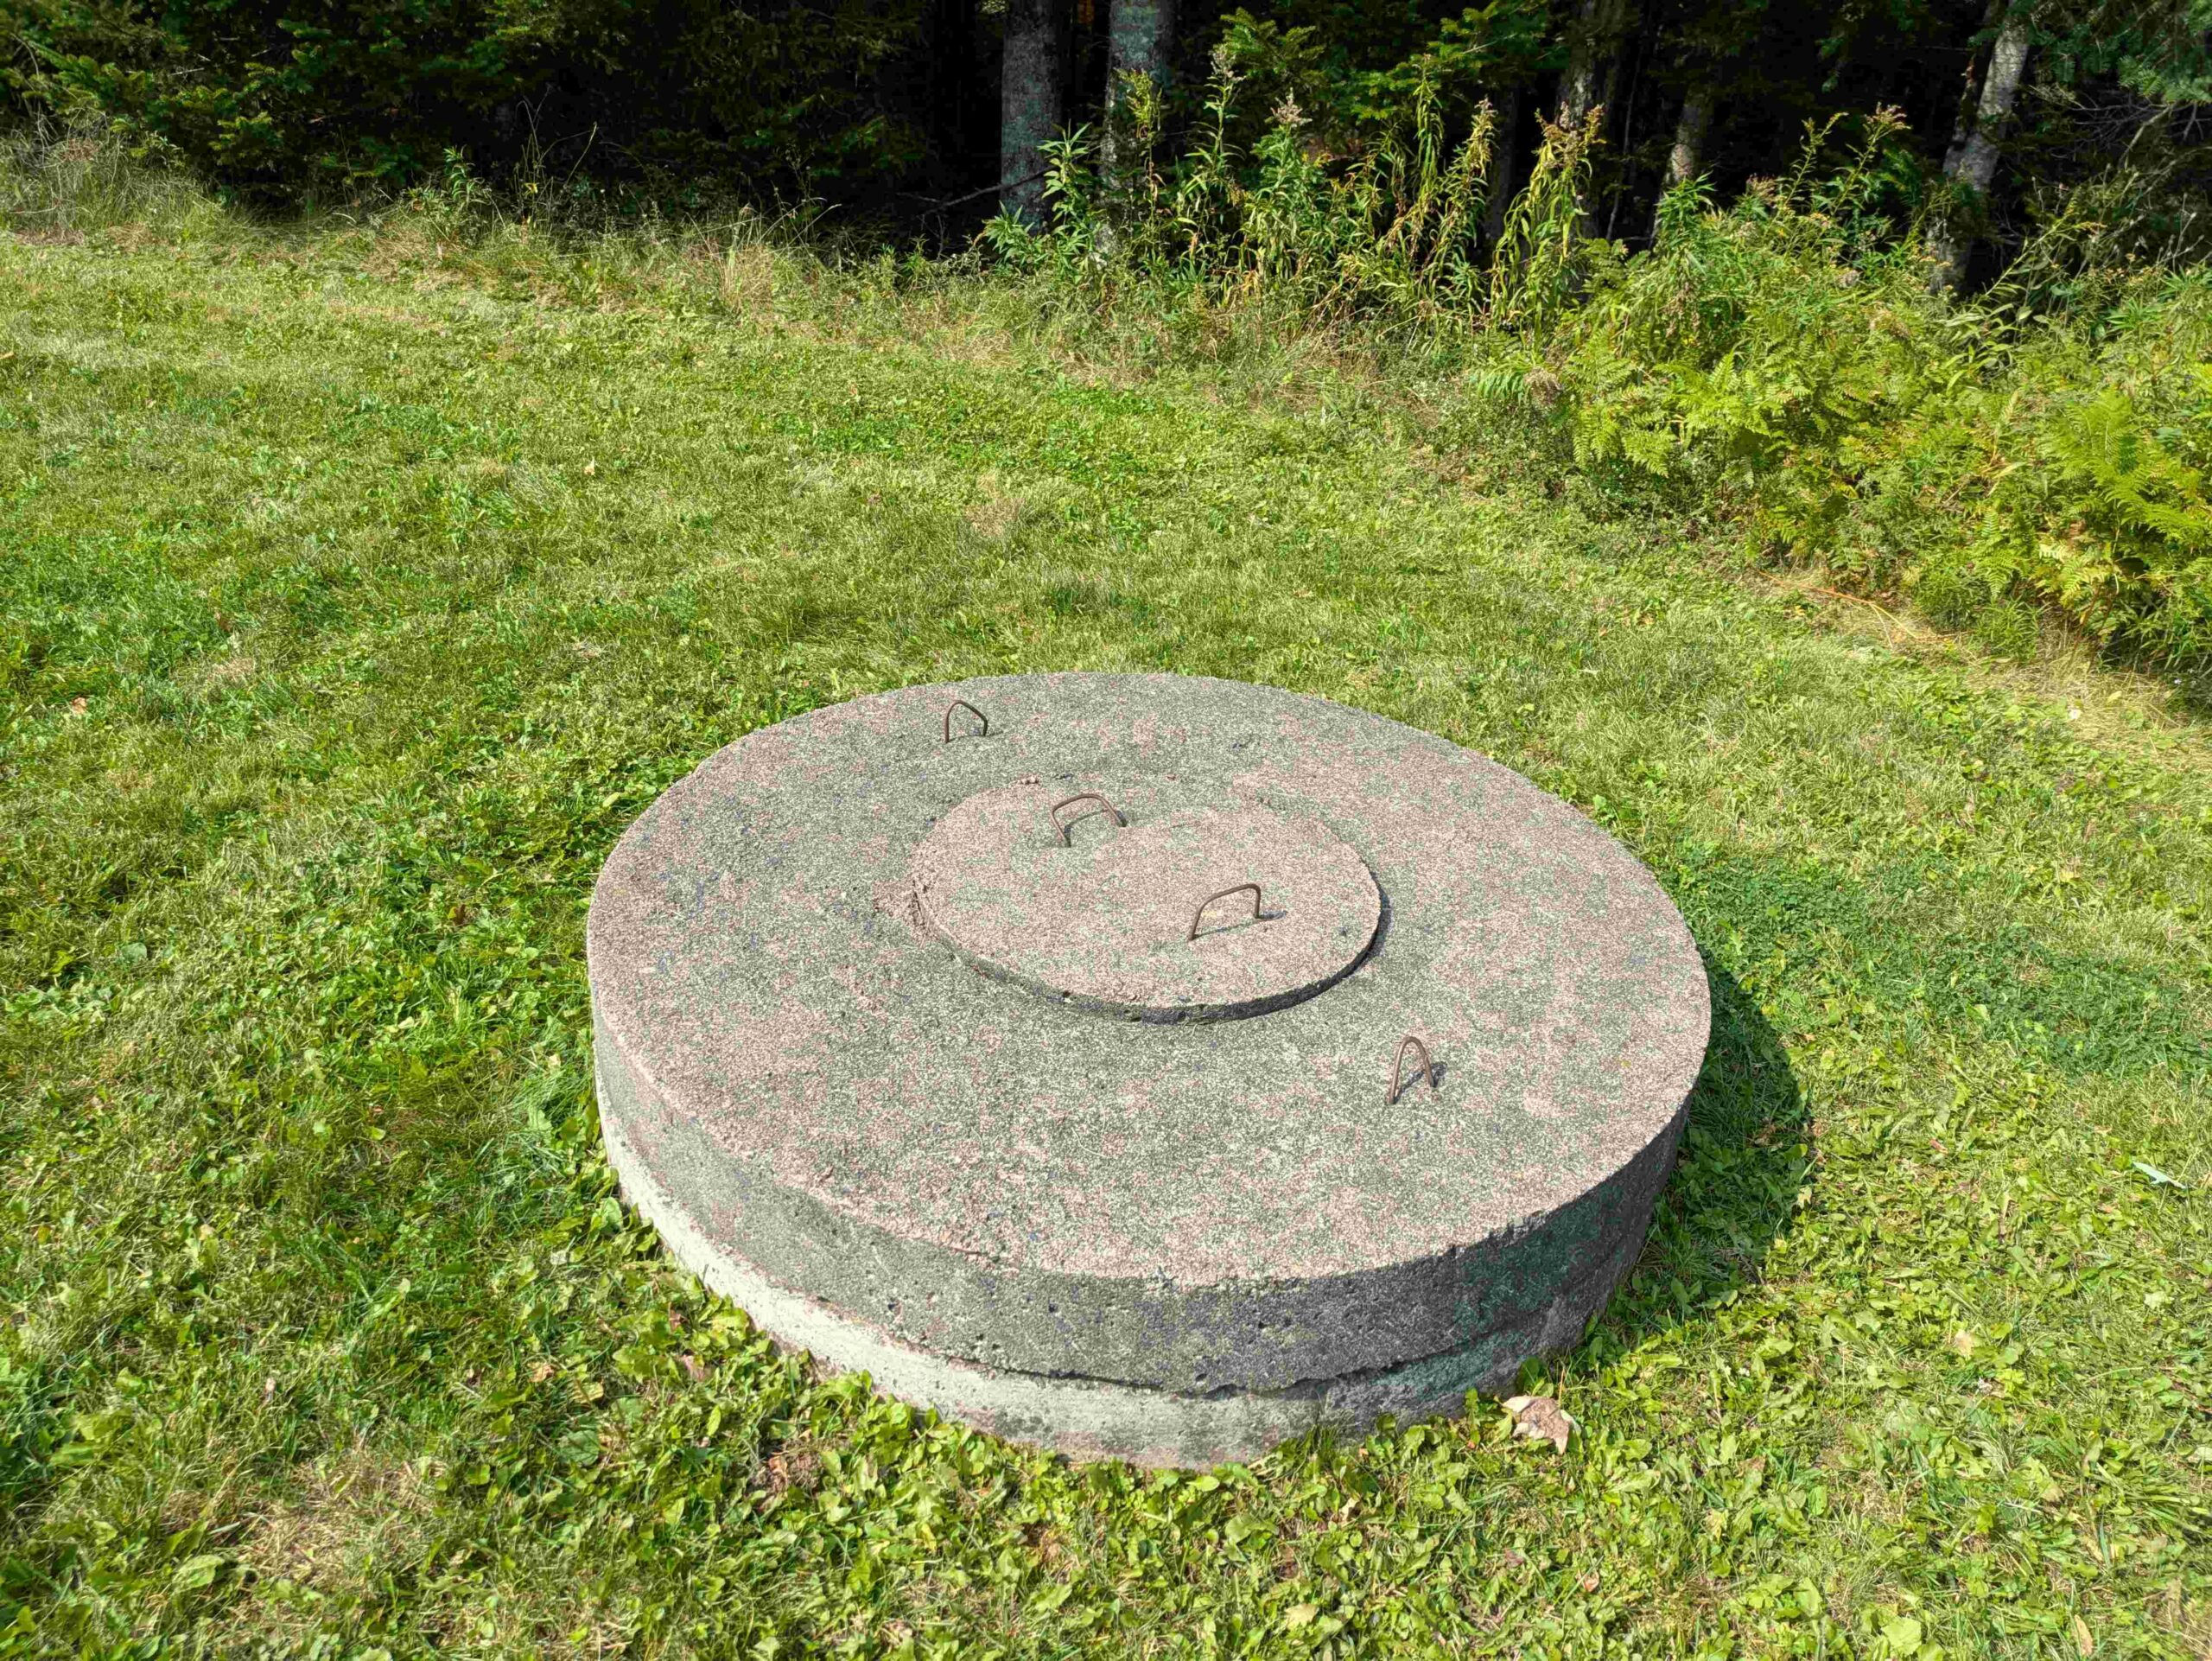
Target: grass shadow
(1746,1157)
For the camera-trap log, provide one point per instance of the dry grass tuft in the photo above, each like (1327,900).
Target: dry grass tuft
(343,1513)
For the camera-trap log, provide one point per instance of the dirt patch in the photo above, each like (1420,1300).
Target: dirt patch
(344,1510)
(996,515)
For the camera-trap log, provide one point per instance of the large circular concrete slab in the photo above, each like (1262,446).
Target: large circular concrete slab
(1171,1240)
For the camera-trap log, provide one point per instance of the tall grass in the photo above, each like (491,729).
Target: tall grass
(62,183)
(1389,233)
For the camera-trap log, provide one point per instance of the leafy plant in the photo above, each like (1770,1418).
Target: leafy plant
(332,97)
(1389,230)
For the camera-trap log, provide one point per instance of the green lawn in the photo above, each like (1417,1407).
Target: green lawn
(350,605)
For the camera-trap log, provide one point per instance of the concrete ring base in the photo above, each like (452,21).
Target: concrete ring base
(1092,1419)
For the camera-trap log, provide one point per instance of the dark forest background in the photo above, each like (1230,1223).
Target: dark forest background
(888,113)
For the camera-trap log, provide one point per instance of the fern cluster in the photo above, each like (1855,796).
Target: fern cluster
(1785,359)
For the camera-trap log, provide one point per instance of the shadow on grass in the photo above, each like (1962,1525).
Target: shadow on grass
(1746,1156)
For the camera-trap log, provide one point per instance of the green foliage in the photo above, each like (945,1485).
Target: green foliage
(1541,265)
(334,95)
(1779,361)
(1782,358)
(1352,68)
(1391,230)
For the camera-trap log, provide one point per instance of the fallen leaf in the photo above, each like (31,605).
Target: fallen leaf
(78,706)
(2084,1640)
(799,1469)
(1540,1419)
(693,1369)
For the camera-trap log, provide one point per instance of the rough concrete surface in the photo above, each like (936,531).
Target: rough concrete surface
(1015,1204)
(1105,920)
(1088,1418)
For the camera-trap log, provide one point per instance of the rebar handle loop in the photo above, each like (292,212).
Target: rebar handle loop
(1398,1079)
(1104,806)
(1199,916)
(984,726)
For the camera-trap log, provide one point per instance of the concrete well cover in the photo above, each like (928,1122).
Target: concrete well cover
(933,1093)
(1178,909)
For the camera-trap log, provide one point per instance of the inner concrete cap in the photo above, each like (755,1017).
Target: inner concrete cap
(1138,1065)
(1143,902)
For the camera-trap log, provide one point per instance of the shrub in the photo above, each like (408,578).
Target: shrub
(1785,357)
(287,97)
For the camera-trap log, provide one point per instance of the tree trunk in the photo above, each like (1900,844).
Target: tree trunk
(1578,82)
(1029,102)
(1593,42)
(1592,65)
(1504,162)
(1686,160)
(1971,163)
(1139,34)
(1962,119)
(1685,157)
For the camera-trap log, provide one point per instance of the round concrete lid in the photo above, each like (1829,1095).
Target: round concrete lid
(1156,904)
(840,1101)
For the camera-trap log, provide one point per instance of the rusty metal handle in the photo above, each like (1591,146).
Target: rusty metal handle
(1398,1079)
(1104,806)
(1199,916)
(982,731)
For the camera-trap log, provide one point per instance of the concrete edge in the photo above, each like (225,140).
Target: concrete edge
(1091,1419)
(1517,1277)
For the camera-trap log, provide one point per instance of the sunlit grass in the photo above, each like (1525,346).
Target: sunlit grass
(357,588)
